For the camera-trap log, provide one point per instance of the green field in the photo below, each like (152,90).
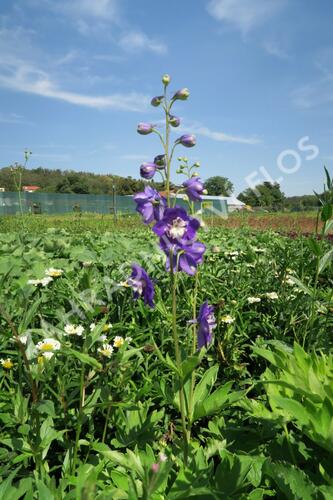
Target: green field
(81,424)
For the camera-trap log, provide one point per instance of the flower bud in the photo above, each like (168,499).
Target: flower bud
(166,79)
(195,174)
(145,128)
(155,468)
(147,170)
(156,101)
(174,121)
(205,191)
(187,140)
(159,161)
(196,164)
(181,94)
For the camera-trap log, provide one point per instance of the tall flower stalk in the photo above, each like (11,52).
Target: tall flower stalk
(177,231)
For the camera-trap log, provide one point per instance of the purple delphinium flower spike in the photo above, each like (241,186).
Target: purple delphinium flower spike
(194,188)
(177,232)
(187,140)
(176,225)
(150,204)
(207,323)
(147,170)
(185,257)
(145,128)
(141,285)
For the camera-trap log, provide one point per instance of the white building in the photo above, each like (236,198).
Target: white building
(232,202)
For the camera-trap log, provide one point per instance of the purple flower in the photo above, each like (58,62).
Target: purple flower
(176,226)
(156,101)
(207,323)
(177,232)
(159,161)
(150,204)
(187,140)
(142,285)
(147,170)
(194,188)
(181,94)
(174,121)
(185,256)
(145,128)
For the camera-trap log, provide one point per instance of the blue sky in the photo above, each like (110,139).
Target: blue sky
(76,76)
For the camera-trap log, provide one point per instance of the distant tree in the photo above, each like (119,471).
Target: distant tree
(267,195)
(219,186)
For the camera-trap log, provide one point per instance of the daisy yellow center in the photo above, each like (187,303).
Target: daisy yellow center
(8,364)
(106,352)
(47,347)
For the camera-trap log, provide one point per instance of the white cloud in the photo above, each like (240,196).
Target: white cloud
(244,14)
(136,41)
(23,70)
(23,77)
(273,49)
(78,9)
(314,94)
(199,129)
(14,118)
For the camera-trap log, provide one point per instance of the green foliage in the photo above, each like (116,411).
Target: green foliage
(69,181)
(267,195)
(109,427)
(219,186)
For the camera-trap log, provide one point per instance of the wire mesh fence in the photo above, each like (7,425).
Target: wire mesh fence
(12,203)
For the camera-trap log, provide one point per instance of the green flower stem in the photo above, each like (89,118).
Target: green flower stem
(166,149)
(194,350)
(178,357)
(106,420)
(33,385)
(80,415)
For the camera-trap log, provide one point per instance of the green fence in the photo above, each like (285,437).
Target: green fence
(51,203)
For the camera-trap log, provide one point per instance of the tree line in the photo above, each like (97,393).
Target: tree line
(266,195)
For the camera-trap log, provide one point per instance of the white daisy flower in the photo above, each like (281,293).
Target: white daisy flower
(46,281)
(74,330)
(48,354)
(48,345)
(118,341)
(227,319)
(53,273)
(271,295)
(106,350)
(253,300)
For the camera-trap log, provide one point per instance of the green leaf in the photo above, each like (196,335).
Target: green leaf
(216,401)
(325,261)
(314,246)
(204,387)
(326,212)
(84,358)
(291,481)
(230,475)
